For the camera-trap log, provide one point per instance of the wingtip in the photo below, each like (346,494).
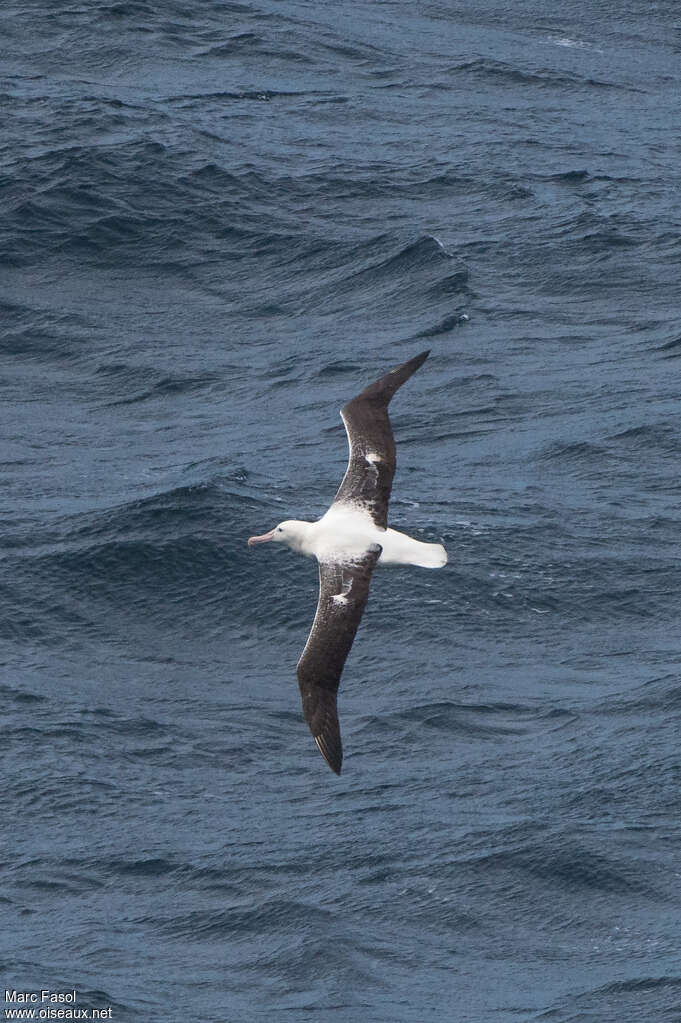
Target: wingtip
(408,368)
(332,755)
(411,365)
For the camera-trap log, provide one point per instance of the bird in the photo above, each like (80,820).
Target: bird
(349,541)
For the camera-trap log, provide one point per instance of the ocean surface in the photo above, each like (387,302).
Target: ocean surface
(219,221)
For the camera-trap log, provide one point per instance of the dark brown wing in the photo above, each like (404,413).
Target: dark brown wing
(369,475)
(343,593)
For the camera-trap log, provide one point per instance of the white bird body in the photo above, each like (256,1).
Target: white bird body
(347,531)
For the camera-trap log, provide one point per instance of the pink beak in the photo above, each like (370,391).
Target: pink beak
(261,539)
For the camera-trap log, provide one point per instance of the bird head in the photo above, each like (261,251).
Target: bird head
(289,532)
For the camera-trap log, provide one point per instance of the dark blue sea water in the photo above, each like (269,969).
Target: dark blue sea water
(219,221)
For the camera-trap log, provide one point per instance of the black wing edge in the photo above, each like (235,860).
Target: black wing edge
(321,663)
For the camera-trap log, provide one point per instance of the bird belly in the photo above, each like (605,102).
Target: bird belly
(344,533)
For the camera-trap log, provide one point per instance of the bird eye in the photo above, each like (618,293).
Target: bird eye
(279,529)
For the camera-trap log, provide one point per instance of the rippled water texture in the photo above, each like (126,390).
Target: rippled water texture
(219,222)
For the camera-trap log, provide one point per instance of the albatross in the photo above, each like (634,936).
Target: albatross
(349,541)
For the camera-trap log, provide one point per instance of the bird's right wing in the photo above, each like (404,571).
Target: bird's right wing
(343,594)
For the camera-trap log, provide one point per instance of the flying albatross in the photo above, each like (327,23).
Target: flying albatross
(348,542)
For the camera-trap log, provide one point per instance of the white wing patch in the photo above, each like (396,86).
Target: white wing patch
(342,598)
(371,457)
(345,424)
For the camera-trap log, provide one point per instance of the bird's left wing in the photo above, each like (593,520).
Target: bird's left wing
(343,594)
(368,478)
